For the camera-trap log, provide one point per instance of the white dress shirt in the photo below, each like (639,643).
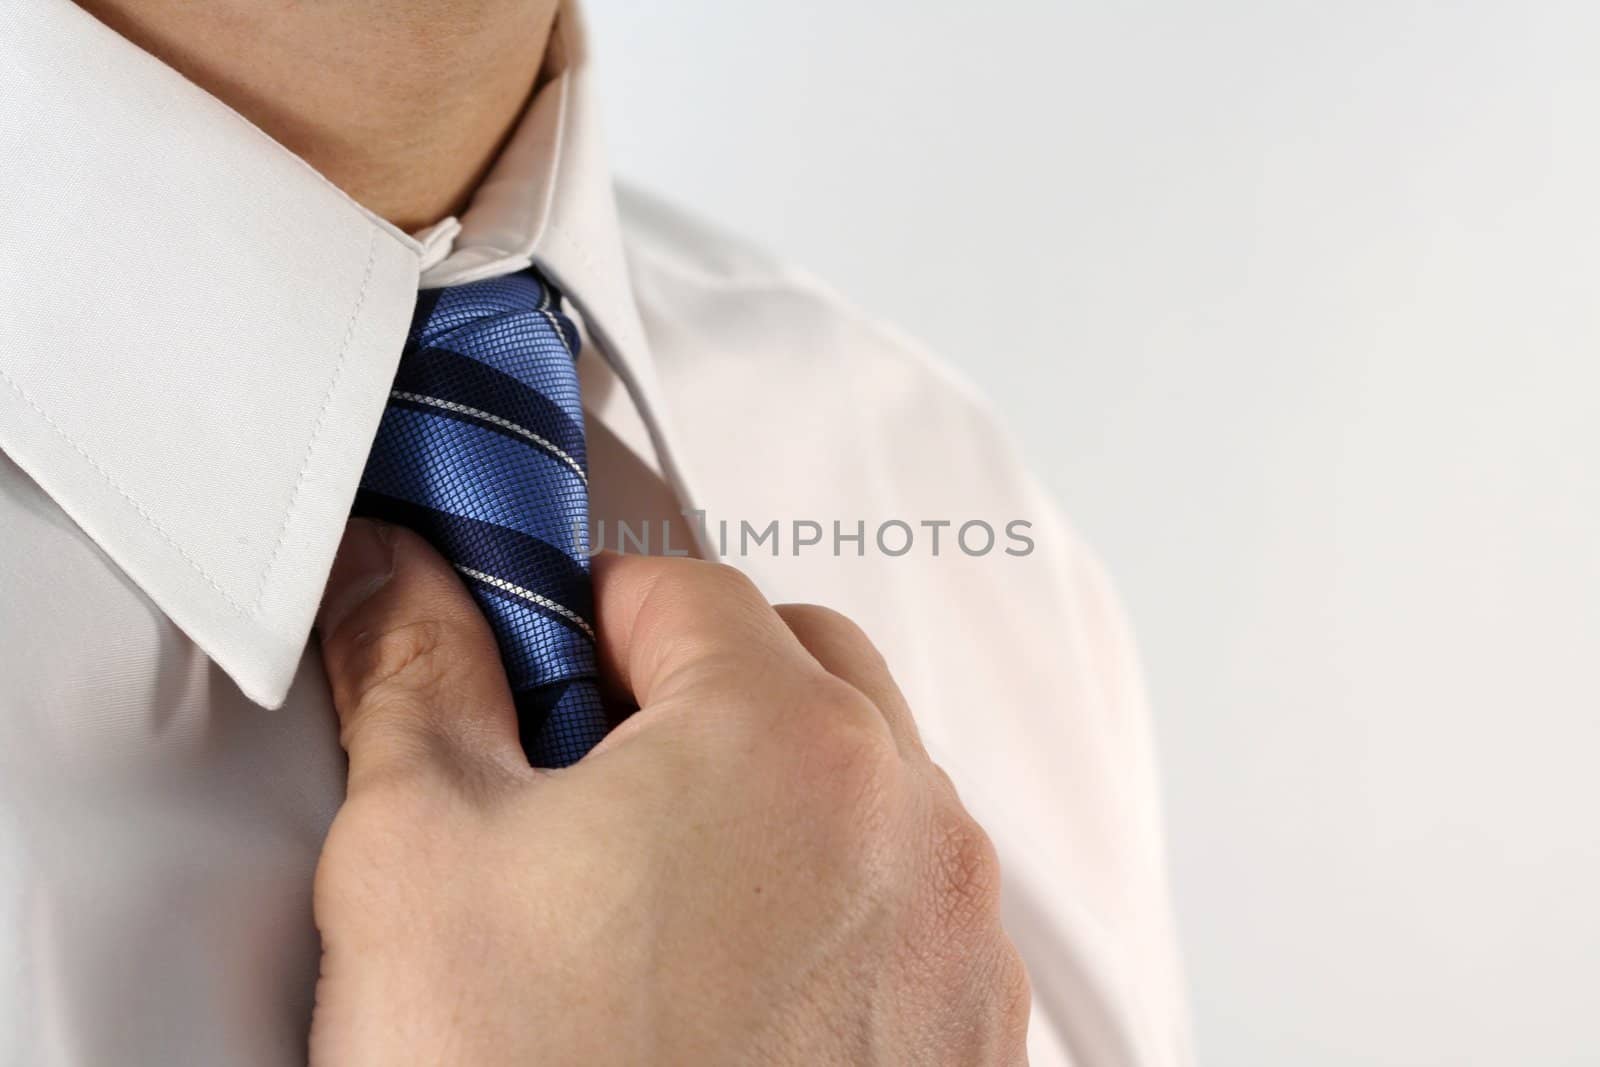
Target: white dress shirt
(197,335)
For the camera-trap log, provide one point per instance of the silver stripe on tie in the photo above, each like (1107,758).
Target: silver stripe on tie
(530,596)
(504,424)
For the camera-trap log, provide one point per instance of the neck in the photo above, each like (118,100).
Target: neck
(401,103)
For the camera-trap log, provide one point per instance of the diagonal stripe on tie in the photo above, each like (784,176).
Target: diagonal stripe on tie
(446,375)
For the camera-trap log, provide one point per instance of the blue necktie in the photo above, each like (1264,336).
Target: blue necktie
(481,451)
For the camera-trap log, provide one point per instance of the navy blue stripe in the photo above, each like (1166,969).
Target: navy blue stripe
(539,699)
(508,554)
(535,702)
(533,707)
(446,375)
(466,418)
(427,301)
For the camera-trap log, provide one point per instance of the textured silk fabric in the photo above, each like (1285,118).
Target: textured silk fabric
(181,438)
(482,452)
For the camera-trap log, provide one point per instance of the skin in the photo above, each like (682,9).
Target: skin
(403,104)
(761,865)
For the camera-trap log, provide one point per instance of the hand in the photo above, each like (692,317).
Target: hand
(760,866)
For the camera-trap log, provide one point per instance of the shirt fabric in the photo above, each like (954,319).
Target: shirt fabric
(197,335)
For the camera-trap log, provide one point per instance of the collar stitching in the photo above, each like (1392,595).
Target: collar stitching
(316,429)
(114,484)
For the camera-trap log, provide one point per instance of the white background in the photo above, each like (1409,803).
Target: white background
(1297,307)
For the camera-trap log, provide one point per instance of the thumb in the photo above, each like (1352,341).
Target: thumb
(413,665)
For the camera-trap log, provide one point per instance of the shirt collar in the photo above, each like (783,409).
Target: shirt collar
(198,331)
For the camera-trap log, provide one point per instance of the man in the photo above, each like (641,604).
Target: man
(218,221)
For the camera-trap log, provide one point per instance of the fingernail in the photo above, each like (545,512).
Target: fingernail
(364,563)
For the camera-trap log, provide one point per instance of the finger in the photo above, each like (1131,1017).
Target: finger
(845,651)
(414,668)
(669,625)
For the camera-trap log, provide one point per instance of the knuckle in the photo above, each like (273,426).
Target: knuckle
(822,617)
(841,730)
(966,872)
(673,590)
(834,625)
(945,785)
(836,750)
(833,698)
(679,579)
(402,657)
(725,582)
